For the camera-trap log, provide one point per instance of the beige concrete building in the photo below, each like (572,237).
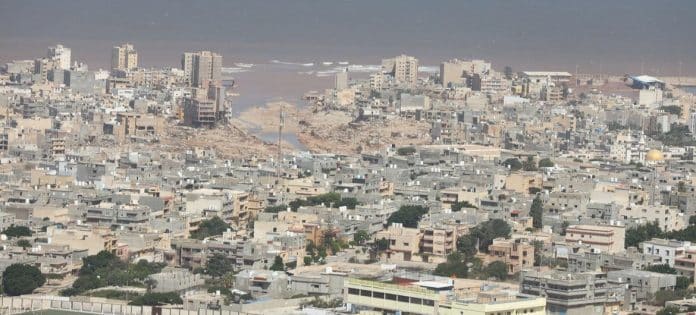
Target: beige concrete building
(516,254)
(436,297)
(61,54)
(668,218)
(607,238)
(404,243)
(453,72)
(124,57)
(438,242)
(522,182)
(202,68)
(403,68)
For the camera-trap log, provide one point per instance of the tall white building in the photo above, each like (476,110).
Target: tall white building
(124,57)
(61,54)
(692,123)
(341,80)
(403,68)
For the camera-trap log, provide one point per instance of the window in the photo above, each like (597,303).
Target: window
(416,301)
(403,298)
(391,297)
(429,302)
(378,295)
(365,293)
(353,291)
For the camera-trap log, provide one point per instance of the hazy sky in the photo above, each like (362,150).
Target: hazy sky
(548,34)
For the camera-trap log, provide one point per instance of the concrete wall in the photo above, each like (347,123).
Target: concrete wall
(20,304)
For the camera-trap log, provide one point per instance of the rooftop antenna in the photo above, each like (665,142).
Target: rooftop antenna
(577,78)
(679,79)
(642,67)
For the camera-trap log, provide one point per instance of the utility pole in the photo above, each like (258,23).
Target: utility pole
(279,170)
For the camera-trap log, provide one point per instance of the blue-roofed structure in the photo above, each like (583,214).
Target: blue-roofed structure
(646,82)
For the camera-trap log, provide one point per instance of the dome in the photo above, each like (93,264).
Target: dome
(654,155)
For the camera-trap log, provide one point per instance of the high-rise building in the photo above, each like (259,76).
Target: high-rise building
(455,71)
(61,54)
(203,72)
(124,57)
(692,124)
(341,79)
(187,66)
(202,68)
(403,68)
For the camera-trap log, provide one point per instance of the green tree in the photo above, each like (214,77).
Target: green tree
(546,162)
(530,165)
(406,151)
(672,109)
(455,266)
(297,203)
(100,261)
(24,244)
(218,265)
(348,202)
(457,206)
(513,164)
(496,269)
(307,260)
(154,299)
(17,231)
(382,244)
(328,199)
(642,233)
(277,264)
(211,227)
(360,237)
(536,212)
(681,186)
(683,283)
(18,279)
(663,296)
(669,310)
(663,268)
(564,227)
(466,244)
(408,215)
(275,209)
(487,231)
(687,234)
(679,135)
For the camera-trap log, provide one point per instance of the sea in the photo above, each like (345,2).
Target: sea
(280,49)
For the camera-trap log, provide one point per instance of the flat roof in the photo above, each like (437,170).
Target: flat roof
(646,79)
(547,73)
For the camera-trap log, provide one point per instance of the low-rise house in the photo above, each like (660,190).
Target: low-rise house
(517,254)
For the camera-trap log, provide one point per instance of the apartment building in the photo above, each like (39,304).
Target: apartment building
(667,250)
(202,68)
(403,68)
(606,238)
(518,255)
(124,57)
(404,242)
(435,297)
(574,294)
(438,242)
